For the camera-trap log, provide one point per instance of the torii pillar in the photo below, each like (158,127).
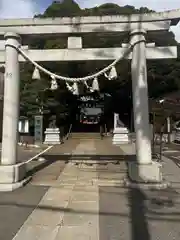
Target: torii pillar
(12,173)
(143,169)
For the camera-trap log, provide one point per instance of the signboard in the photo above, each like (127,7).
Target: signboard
(86,98)
(23,126)
(91,101)
(38,128)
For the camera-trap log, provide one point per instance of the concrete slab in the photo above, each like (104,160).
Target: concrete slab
(76,232)
(45,216)
(82,213)
(37,232)
(79,219)
(114,221)
(15,207)
(46,172)
(84,196)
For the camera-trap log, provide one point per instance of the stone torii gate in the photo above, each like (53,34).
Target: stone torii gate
(18,31)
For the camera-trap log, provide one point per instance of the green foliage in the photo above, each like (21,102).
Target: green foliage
(62,9)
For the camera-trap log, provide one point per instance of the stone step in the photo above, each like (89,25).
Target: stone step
(85,135)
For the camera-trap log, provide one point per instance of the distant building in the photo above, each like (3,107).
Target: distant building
(90,109)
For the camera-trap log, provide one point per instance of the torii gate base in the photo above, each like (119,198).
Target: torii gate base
(13,177)
(151,173)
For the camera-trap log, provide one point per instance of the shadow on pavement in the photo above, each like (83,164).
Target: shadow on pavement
(35,166)
(93,157)
(120,216)
(13,216)
(139,224)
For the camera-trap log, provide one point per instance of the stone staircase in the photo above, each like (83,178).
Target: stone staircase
(85,135)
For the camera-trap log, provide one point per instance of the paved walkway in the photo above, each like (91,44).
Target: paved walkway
(81,201)
(70,208)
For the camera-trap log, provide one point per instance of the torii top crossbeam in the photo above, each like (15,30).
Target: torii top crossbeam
(117,23)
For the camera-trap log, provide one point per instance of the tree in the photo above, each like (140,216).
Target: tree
(63,9)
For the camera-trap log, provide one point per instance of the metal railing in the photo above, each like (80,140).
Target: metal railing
(69,132)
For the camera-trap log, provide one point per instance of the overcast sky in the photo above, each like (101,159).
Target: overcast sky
(27,8)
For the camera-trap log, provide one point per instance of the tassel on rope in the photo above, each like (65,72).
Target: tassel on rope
(95,84)
(36,74)
(113,73)
(86,84)
(54,84)
(105,74)
(70,88)
(75,88)
(88,87)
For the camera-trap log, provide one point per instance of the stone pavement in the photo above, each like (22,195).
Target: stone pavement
(16,206)
(89,202)
(70,208)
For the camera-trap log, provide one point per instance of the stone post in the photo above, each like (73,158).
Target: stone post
(168,129)
(140,98)
(11,173)
(143,169)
